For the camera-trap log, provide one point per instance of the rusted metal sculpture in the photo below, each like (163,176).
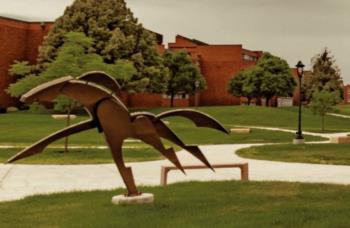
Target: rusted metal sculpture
(97,92)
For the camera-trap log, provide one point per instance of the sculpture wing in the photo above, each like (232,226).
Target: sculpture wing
(168,134)
(165,132)
(42,144)
(198,118)
(103,79)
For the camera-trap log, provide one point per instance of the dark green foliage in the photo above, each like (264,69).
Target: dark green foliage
(325,75)
(183,74)
(245,84)
(276,77)
(113,36)
(270,77)
(74,59)
(117,35)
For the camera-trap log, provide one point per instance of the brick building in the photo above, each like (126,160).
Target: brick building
(20,40)
(346,94)
(218,63)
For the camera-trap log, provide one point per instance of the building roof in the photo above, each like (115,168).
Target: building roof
(198,42)
(25,18)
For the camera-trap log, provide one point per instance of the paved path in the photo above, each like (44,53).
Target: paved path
(18,181)
(339,115)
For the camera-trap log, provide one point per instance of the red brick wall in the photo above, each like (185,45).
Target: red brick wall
(346,91)
(18,41)
(150,100)
(13,37)
(218,64)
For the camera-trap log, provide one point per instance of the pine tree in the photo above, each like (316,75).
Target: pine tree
(117,35)
(325,75)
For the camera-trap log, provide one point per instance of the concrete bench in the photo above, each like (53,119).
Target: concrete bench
(341,140)
(240,130)
(242,166)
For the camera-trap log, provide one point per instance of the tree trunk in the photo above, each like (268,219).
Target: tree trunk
(249,100)
(67,124)
(172,99)
(323,123)
(267,101)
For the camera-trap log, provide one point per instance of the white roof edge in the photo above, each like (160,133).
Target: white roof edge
(25,18)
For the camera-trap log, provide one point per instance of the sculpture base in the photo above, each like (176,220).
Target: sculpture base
(298,141)
(144,198)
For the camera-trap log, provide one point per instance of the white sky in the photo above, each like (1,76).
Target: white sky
(292,29)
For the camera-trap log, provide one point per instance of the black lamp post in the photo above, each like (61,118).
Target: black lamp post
(196,85)
(300,70)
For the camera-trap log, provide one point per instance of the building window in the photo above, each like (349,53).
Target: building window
(249,58)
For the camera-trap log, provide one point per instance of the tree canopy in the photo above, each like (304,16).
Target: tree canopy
(270,77)
(325,74)
(245,84)
(115,35)
(183,74)
(74,59)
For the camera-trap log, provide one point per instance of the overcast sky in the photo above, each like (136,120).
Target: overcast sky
(292,29)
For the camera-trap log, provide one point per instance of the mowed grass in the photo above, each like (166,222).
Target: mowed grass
(138,152)
(343,109)
(273,117)
(210,204)
(335,154)
(24,129)
(82,156)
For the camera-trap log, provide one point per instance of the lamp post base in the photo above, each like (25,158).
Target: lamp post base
(298,141)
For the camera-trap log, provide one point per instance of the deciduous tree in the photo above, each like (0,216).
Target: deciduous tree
(183,74)
(323,102)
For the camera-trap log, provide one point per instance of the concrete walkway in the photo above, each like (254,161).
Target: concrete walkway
(18,181)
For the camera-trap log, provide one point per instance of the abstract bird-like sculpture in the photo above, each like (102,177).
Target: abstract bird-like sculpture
(98,93)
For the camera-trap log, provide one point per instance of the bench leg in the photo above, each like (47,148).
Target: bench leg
(245,172)
(163,176)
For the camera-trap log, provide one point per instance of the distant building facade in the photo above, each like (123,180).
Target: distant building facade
(346,94)
(218,64)
(20,40)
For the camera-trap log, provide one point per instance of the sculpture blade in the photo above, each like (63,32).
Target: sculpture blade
(166,133)
(145,131)
(43,143)
(103,79)
(198,118)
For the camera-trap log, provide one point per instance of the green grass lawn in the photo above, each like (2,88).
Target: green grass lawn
(210,204)
(82,156)
(139,151)
(335,154)
(273,117)
(343,109)
(24,129)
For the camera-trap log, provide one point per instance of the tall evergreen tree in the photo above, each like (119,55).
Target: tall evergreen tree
(117,35)
(325,75)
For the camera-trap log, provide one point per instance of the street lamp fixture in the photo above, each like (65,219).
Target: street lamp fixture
(299,139)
